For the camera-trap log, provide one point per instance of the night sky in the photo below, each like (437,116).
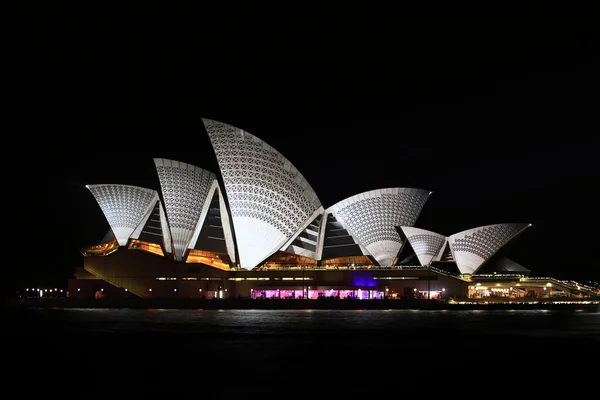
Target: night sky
(495,111)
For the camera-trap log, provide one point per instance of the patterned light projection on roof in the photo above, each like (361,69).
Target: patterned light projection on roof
(184,188)
(373,216)
(426,244)
(268,197)
(473,247)
(124,207)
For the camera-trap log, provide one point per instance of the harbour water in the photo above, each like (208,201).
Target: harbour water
(302,353)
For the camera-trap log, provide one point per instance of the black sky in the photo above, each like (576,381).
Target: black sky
(494,110)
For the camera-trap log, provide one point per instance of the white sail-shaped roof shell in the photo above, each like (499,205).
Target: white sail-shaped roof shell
(372,217)
(269,199)
(427,245)
(124,207)
(473,247)
(185,189)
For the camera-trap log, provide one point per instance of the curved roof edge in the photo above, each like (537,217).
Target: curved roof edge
(269,199)
(372,216)
(123,206)
(426,244)
(471,248)
(184,190)
(370,193)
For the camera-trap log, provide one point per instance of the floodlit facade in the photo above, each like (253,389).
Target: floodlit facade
(370,219)
(269,199)
(188,192)
(428,246)
(133,213)
(473,247)
(469,250)
(257,229)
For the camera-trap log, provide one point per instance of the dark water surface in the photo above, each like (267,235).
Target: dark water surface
(302,353)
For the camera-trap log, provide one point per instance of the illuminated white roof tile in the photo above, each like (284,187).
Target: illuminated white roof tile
(124,207)
(268,197)
(426,244)
(372,218)
(473,247)
(185,189)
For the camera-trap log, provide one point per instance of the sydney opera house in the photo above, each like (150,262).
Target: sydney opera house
(256,229)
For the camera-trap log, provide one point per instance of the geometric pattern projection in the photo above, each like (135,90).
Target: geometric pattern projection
(268,197)
(124,206)
(184,189)
(473,247)
(426,244)
(373,217)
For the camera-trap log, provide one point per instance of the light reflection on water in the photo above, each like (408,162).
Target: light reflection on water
(316,322)
(251,353)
